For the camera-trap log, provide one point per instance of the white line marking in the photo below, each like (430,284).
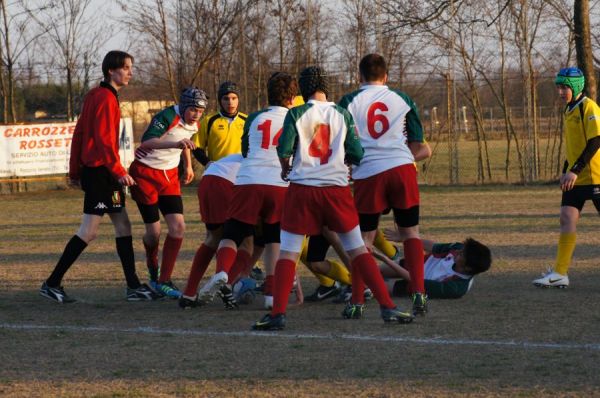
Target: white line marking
(302,336)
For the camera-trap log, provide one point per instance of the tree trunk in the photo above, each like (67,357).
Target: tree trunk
(583,45)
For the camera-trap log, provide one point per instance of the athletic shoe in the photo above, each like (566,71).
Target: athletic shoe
(227,296)
(368,294)
(186,302)
(353,311)
(168,289)
(268,302)
(257,274)
(344,295)
(142,293)
(207,293)
(323,292)
(419,304)
(395,315)
(269,322)
(56,293)
(552,279)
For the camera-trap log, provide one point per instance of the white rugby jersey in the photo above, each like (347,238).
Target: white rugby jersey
(167,125)
(440,269)
(226,167)
(259,148)
(321,136)
(386,120)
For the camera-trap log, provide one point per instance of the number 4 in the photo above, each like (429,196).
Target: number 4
(319,146)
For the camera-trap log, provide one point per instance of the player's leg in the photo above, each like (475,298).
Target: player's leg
(171,206)
(316,262)
(385,246)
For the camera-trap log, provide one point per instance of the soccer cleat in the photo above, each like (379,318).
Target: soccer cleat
(323,292)
(207,293)
(269,322)
(353,311)
(227,296)
(142,293)
(168,289)
(395,315)
(186,302)
(552,279)
(368,294)
(268,302)
(56,293)
(419,304)
(344,296)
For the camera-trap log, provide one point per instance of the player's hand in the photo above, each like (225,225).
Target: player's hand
(392,234)
(285,171)
(127,181)
(188,175)
(567,181)
(186,143)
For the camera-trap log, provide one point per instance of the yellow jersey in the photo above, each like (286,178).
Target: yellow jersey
(581,124)
(219,135)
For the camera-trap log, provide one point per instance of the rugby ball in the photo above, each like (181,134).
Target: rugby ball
(243,291)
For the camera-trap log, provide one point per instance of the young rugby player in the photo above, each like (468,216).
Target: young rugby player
(321,137)
(580,180)
(95,165)
(259,190)
(155,170)
(390,131)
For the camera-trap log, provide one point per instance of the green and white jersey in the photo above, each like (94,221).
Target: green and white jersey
(386,120)
(441,281)
(168,125)
(321,137)
(259,148)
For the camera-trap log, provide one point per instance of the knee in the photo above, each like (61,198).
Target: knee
(177,229)
(123,227)
(87,235)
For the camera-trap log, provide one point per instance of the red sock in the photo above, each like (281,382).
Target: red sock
(268,285)
(225,258)
(373,279)
(152,260)
(169,256)
(413,258)
(358,286)
(201,260)
(242,260)
(282,285)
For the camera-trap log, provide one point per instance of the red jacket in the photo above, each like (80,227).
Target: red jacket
(96,136)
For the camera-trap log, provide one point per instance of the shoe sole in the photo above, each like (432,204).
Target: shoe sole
(549,286)
(401,320)
(420,311)
(207,294)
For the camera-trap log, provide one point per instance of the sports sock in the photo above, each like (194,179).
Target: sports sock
(125,252)
(152,260)
(75,246)
(324,280)
(169,256)
(384,245)
(242,260)
(339,272)
(369,271)
(225,258)
(358,286)
(268,285)
(413,258)
(564,252)
(282,285)
(199,265)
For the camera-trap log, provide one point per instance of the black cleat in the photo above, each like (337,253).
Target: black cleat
(419,304)
(227,296)
(269,322)
(323,292)
(56,293)
(353,311)
(185,302)
(142,293)
(395,315)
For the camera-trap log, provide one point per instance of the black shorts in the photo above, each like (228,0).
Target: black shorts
(103,193)
(577,196)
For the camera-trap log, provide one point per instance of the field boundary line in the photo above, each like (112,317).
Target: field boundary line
(309,336)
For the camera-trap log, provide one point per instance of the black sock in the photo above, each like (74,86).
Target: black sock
(73,249)
(125,252)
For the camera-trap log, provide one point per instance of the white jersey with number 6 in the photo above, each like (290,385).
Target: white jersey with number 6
(386,120)
(259,148)
(321,137)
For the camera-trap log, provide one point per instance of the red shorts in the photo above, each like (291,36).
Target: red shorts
(395,188)
(152,183)
(307,209)
(254,202)
(214,197)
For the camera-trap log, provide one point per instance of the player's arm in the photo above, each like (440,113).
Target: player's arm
(188,170)
(246,139)
(106,136)
(75,159)
(352,147)
(200,142)
(287,144)
(419,150)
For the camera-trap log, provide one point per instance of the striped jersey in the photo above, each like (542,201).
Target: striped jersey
(168,125)
(259,148)
(226,167)
(321,137)
(386,120)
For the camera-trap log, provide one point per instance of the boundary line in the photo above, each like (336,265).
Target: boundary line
(309,336)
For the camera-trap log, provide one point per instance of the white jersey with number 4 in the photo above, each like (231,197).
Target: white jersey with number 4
(259,148)
(386,120)
(320,136)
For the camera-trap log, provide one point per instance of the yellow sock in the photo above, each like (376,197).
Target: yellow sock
(339,272)
(384,245)
(564,252)
(323,280)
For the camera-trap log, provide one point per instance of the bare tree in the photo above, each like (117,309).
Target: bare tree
(583,44)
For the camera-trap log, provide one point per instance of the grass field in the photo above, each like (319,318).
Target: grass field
(505,338)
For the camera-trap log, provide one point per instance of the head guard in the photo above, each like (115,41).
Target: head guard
(228,87)
(572,78)
(192,96)
(311,80)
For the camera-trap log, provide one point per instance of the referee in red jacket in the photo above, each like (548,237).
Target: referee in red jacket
(95,165)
